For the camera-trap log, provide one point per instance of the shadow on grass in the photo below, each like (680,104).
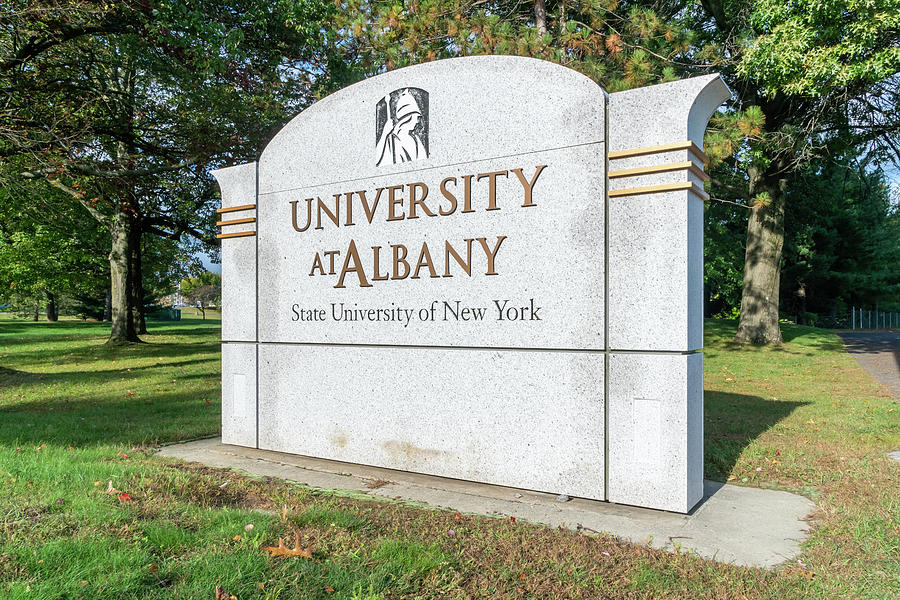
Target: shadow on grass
(52,330)
(59,384)
(180,331)
(822,339)
(732,422)
(803,340)
(99,420)
(91,353)
(14,377)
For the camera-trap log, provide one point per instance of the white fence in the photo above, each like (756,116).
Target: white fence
(861,318)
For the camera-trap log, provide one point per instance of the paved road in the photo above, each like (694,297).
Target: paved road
(878,352)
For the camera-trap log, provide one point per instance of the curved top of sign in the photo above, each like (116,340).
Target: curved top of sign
(434,115)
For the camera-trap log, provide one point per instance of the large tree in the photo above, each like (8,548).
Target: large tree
(123,106)
(803,73)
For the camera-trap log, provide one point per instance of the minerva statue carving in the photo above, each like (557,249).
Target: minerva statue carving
(399,142)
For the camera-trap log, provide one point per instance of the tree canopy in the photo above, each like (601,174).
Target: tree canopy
(124,107)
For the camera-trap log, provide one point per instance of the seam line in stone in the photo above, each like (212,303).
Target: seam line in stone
(467,162)
(256,306)
(606,303)
(485,348)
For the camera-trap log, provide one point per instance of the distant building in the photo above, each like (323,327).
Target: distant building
(175,299)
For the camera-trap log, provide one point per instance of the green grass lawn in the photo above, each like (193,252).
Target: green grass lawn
(86,510)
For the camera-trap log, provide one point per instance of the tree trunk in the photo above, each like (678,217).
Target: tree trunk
(107,308)
(137,284)
(762,262)
(37,312)
(540,16)
(52,313)
(121,231)
(125,226)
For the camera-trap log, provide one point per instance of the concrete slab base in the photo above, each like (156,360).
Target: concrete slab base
(732,524)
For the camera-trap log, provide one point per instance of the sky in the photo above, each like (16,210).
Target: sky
(209,265)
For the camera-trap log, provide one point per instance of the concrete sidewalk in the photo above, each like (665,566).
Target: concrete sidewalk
(733,524)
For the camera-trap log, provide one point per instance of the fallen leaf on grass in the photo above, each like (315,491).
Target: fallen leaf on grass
(222,594)
(282,550)
(153,567)
(329,589)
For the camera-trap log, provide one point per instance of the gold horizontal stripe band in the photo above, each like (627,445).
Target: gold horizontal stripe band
(239,234)
(657,189)
(688,164)
(663,148)
(236,222)
(235,208)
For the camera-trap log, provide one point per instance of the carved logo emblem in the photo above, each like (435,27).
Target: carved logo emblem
(401,127)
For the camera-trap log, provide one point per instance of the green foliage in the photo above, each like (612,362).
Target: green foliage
(41,252)
(115,88)
(725,230)
(814,48)
(842,239)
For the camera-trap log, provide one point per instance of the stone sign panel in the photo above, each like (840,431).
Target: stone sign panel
(483,268)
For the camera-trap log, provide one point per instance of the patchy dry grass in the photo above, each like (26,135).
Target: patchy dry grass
(76,417)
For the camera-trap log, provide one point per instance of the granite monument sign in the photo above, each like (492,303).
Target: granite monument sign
(483,268)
